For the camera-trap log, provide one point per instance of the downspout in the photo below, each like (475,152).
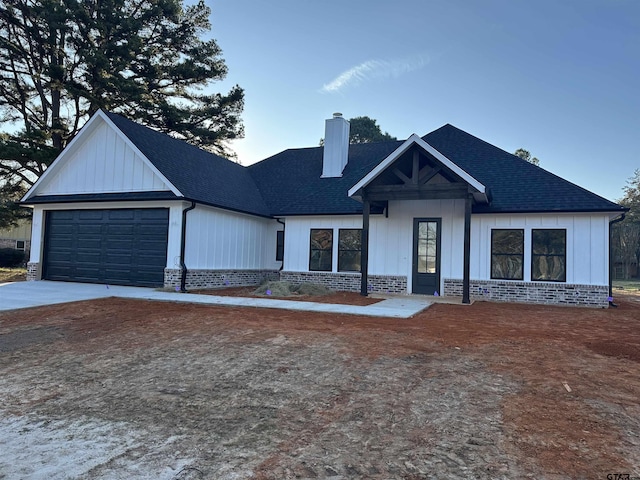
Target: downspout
(611,260)
(284,227)
(183,237)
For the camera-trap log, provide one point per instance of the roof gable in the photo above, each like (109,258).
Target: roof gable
(100,159)
(199,175)
(400,151)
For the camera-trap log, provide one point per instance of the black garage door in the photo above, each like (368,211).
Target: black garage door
(118,247)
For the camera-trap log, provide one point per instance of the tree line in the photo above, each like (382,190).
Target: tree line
(625,235)
(62,60)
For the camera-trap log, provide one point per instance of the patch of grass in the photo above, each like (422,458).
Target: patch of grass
(13,275)
(629,286)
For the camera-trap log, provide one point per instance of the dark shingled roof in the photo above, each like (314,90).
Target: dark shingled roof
(291,185)
(515,184)
(290,182)
(199,175)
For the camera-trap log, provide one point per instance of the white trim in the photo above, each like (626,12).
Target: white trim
(175,208)
(415,140)
(77,141)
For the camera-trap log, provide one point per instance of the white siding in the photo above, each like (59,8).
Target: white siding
(391,248)
(391,240)
(297,238)
(103,163)
(220,239)
(587,243)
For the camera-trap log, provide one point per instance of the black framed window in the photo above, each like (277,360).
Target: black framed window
(321,250)
(20,245)
(549,255)
(279,245)
(349,243)
(507,254)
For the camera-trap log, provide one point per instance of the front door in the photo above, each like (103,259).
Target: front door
(426,255)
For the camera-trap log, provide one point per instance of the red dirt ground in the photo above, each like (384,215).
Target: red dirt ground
(455,392)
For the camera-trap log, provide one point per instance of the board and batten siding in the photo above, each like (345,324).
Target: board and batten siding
(390,239)
(391,243)
(297,238)
(223,240)
(103,163)
(587,243)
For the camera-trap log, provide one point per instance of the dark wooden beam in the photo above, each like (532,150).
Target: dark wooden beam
(415,173)
(467,250)
(402,176)
(417,192)
(428,175)
(364,247)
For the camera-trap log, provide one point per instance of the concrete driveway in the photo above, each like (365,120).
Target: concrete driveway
(34,294)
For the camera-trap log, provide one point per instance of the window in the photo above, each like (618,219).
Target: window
(321,251)
(19,244)
(549,255)
(349,243)
(507,254)
(279,245)
(427,246)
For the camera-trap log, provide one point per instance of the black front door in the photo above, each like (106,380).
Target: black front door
(426,255)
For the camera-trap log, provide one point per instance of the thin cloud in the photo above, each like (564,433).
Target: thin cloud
(374,70)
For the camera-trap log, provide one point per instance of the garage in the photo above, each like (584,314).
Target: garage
(116,246)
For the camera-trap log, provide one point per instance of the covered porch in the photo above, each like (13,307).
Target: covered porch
(416,171)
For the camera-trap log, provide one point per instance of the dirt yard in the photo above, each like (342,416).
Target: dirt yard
(343,298)
(120,388)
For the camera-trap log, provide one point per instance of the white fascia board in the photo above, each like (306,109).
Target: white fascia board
(416,140)
(76,142)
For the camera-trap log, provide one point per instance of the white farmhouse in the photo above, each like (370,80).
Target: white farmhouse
(443,214)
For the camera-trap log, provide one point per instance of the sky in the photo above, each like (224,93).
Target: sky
(560,78)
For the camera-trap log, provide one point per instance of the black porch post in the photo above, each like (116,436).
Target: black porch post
(364,247)
(467,250)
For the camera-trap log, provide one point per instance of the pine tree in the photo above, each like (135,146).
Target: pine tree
(62,60)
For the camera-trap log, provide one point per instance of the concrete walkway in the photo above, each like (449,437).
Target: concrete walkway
(33,294)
